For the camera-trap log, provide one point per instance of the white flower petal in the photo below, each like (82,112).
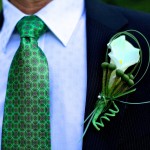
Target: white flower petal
(118,64)
(117,43)
(123,54)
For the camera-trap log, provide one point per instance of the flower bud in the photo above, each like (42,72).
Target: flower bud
(119,73)
(130,82)
(104,65)
(112,66)
(125,78)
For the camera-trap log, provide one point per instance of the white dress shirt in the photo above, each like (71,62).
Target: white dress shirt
(65,48)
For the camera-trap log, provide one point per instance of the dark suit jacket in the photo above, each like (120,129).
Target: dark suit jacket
(130,129)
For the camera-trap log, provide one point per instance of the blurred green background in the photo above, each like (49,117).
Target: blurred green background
(0,4)
(142,5)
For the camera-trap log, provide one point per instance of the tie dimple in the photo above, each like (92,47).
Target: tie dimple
(31,26)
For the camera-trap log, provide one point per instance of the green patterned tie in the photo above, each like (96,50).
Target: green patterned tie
(26,124)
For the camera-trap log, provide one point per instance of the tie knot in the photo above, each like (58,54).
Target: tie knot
(31,26)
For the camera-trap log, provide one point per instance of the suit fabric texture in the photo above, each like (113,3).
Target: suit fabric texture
(129,130)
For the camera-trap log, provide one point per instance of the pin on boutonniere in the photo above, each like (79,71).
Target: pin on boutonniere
(120,69)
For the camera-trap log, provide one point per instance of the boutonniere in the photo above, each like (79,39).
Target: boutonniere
(122,64)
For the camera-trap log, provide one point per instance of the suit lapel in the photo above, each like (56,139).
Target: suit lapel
(102,23)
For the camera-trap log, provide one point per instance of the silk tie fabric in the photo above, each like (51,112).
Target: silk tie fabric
(26,123)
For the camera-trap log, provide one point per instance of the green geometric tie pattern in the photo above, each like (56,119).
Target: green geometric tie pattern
(26,123)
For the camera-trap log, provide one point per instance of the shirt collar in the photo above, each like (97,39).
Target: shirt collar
(61,17)
(11,16)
